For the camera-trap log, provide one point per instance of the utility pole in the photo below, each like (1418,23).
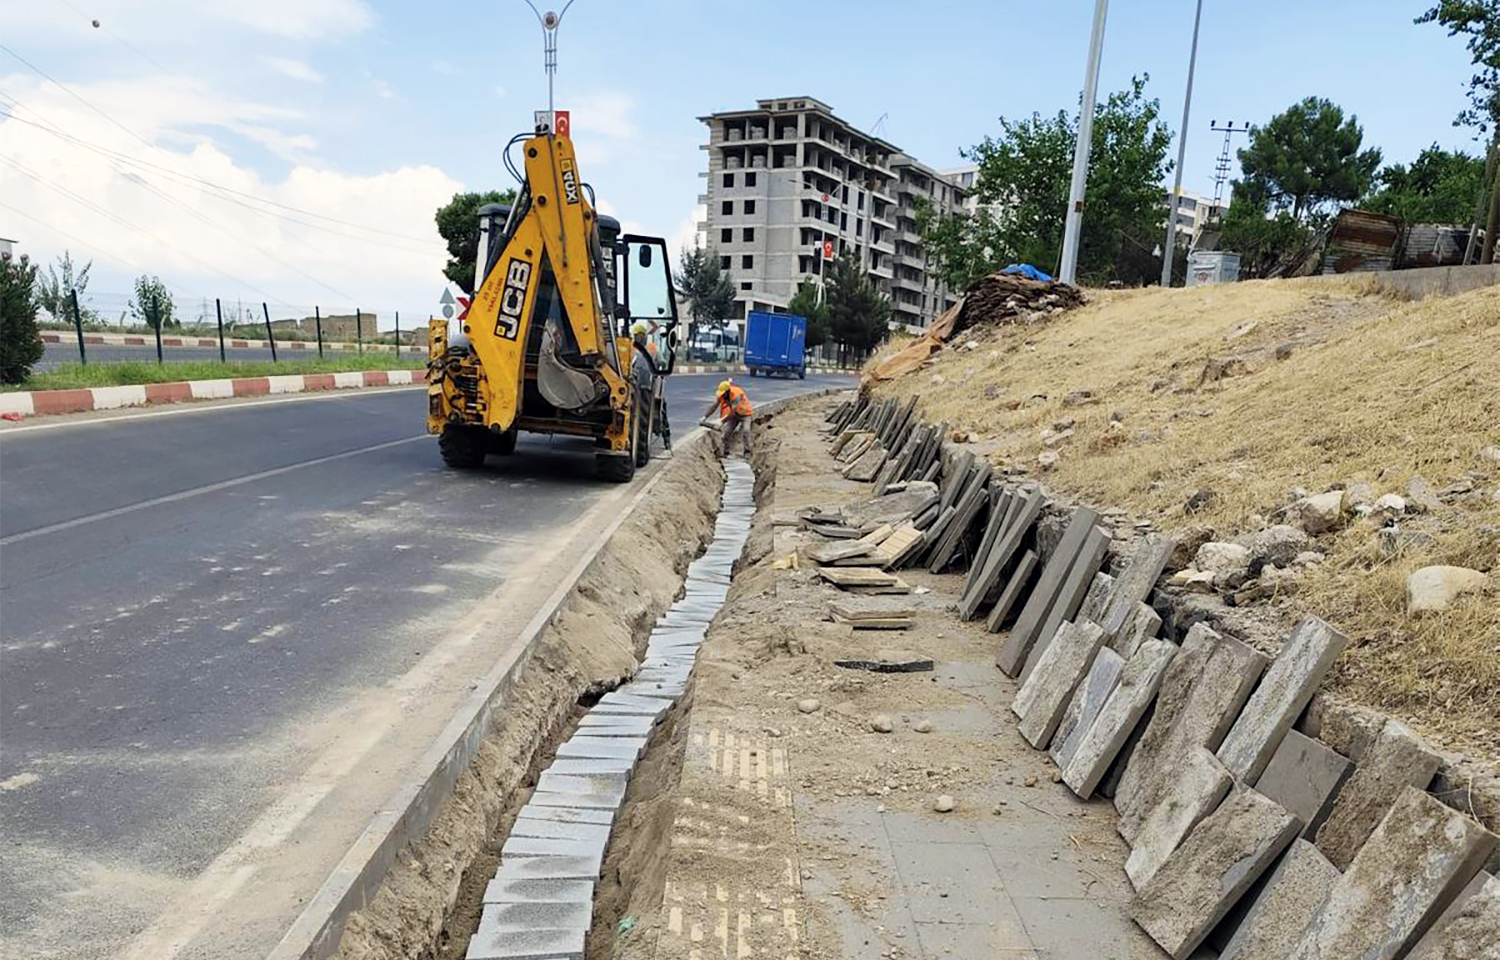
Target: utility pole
(1187,107)
(1073,225)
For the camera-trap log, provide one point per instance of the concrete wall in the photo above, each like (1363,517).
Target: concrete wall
(1426,282)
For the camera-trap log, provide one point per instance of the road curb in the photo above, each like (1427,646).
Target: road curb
(416,804)
(232,343)
(37,403)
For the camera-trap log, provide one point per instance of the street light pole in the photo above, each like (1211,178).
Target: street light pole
(1073,225)
(1187,106)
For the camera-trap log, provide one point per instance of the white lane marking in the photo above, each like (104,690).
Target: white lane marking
(199,491)
(213,408)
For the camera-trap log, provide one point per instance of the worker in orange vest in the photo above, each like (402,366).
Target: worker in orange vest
(734,414)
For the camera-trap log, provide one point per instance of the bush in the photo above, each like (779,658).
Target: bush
(20,342)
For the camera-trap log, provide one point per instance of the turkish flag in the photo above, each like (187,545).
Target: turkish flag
(827,249)
(562,123)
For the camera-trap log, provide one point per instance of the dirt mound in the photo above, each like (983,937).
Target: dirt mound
(1208,412)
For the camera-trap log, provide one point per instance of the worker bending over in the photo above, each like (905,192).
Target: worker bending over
(734,414)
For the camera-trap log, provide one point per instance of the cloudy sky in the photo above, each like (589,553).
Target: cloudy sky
(294,151)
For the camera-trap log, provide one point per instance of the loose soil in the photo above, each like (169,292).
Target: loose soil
(429,904)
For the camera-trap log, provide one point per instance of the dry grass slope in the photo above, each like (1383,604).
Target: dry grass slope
(1252,390)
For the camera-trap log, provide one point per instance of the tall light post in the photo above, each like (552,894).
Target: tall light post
(1187,106)
(1073,225)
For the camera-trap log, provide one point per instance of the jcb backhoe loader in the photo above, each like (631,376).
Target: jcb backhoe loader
(543,345)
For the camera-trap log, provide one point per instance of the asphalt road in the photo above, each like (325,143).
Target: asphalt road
(196,605)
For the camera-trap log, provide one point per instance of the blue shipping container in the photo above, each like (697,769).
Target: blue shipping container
(775,343)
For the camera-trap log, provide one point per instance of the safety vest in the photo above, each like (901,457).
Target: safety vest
(739,403)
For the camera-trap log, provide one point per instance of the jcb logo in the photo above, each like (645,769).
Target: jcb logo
(513,299)
(569,182)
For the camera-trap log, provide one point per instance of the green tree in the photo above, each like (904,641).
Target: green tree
(153,303)
(55,287)
(858,313)
(1438,187)
(1479,22)
(1309,156)
(1023,183)
(1261,236)
(703,280)
(20,342)
(458,222)
(804,303)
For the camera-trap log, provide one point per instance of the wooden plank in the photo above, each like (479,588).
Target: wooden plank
(1009,543)
(851,611)
(899,545)
(857,577)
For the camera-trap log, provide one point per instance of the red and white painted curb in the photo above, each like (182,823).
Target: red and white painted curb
(43,402)
(138,340)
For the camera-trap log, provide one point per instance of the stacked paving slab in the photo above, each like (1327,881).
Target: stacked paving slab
(1247,835)
(540,903)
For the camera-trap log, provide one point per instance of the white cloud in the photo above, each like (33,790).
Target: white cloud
(446,68)
(198,19)
(383,90)
(134,218)
(300,19)
(296,69)
(686,234)
(606,114)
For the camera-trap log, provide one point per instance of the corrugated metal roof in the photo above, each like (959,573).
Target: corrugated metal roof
(1360,232)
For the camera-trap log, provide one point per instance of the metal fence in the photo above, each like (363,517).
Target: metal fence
(229,325)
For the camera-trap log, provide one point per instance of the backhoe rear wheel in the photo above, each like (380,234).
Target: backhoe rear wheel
(463,447)
(501,444)
(616,467)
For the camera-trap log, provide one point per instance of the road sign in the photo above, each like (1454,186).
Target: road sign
(827,249)
(448,311)
(463,308)
(447,296)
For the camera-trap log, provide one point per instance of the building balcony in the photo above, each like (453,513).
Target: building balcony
(907,283)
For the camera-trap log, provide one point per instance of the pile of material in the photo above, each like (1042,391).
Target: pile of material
(1194,741)
(995,300)
(1008,298)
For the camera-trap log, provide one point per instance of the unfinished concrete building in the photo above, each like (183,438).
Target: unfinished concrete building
(788,180)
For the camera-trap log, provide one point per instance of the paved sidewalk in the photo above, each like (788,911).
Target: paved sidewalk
(809,834)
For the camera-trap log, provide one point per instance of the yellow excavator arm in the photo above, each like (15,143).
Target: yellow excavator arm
(557,230)
(543,347)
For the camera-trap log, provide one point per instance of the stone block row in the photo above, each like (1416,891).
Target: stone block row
(539,906)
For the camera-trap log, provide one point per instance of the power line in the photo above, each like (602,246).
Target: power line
(186,178)
(81,242)
(264,252)
(213,223)
(96,208)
